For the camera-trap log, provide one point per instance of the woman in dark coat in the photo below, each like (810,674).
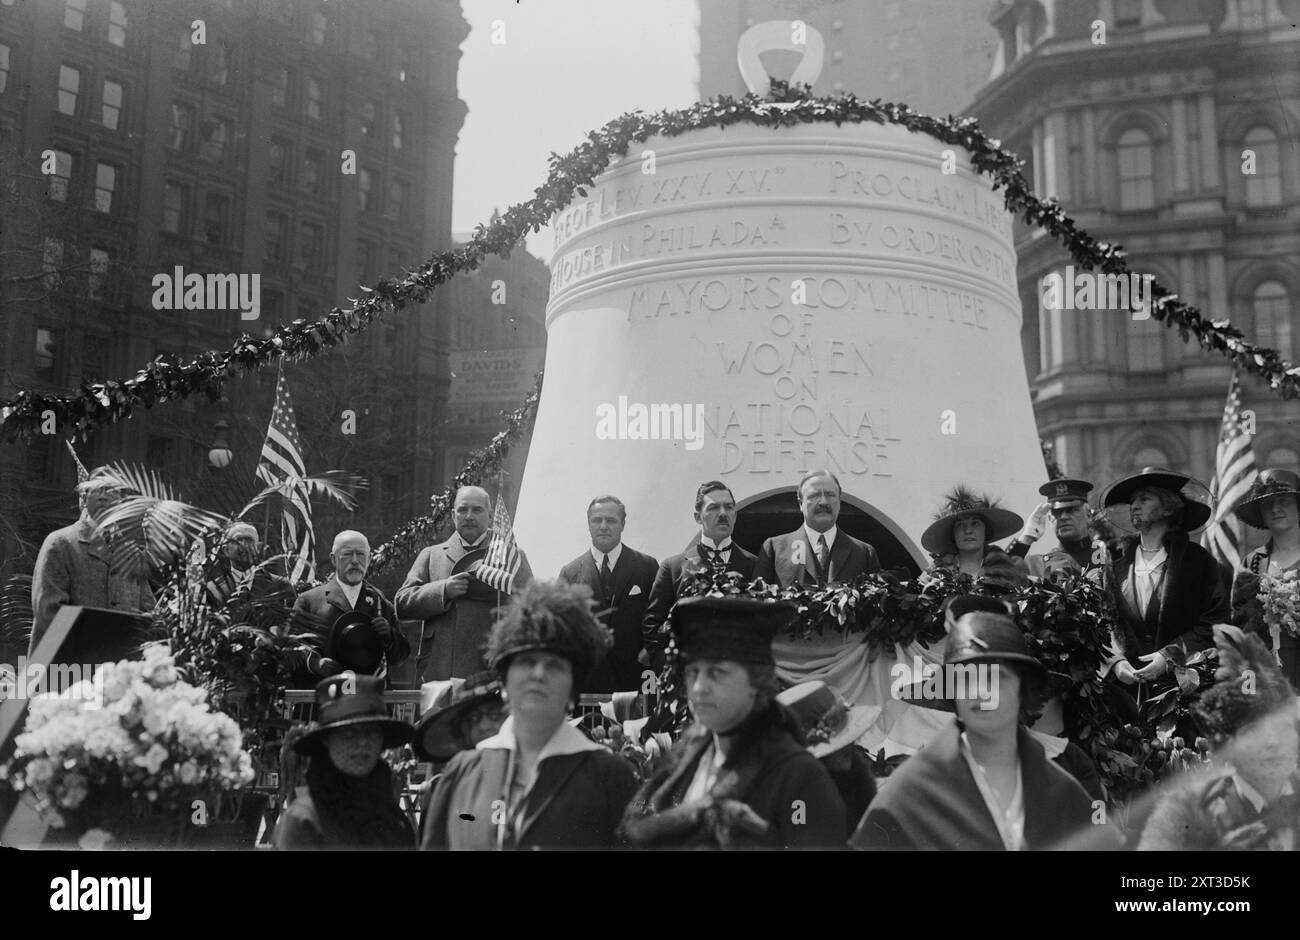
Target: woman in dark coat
(983,782)
(349,801)
(539,782)
(740,778)
(1248,800)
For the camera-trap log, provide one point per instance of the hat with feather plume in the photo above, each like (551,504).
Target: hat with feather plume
(998,522)
(1248,686)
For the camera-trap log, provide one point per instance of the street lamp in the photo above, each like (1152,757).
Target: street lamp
(219,456)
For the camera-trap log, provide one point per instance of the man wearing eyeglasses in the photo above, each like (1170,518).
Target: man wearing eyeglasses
(1067,507)
(237,568)
(316,611)
(818,552)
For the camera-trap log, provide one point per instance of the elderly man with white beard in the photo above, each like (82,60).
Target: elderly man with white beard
(317,610)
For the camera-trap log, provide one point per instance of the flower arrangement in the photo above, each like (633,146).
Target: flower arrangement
(1279,597)
(135,738)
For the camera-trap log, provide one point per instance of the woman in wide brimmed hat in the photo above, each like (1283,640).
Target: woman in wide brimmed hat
(1168,591)
(830,727)
(348,801)
(1273,503)
(983,781)
(538,782)
(1248,798)
(740,777)
(963,532)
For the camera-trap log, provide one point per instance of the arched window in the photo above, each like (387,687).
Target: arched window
(1148,457)
(1272,309)
(1146,345)
(1136,179)
(1264,186)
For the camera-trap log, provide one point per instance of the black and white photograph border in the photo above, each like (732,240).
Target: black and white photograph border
(625,425)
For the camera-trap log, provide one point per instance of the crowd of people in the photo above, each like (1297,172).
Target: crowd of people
(761,765)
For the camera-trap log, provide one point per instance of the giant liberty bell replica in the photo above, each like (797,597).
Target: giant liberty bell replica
(746,304)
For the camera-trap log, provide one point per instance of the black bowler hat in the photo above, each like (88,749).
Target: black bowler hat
(1062,493)
(980,636)
(354,644)
(1269,483)
(1120,493)
(737,628)
(348,699)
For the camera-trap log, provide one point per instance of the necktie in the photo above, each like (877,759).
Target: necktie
(605,580)
(823,555)
(713,556)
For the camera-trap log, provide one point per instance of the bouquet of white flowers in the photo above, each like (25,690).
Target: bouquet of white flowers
(1280,598)
(135,738)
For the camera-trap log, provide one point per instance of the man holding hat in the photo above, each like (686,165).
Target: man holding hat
(370,636)
(1067,506)
(1168,591)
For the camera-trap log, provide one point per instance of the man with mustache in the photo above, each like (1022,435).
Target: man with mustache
(237,568)
(715,513)
(1168,591)
(456,607)
(620,579)
(818,552)
(316,611)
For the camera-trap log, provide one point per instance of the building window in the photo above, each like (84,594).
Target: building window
(308,308)
(158,452)
(280,89)
(176,208)
(213,143)
(59,182)
(52,261)
(1264,186)
(116,24)
(184,52)
(365,189)
(279,161)
(181,133)
(216,211)
(112,114)
(1272,309)
(69,86)
(105,186)
(46,361)
(313,168)
(1136,182)
(402,63)
(368,128)
(366,255)
(4,67)
(277,231)
(98,271)
(219,64)
(399,125)
(273,305)
(396,262)
(1146,346)
(399,197)
(92,357)
(311,240)
(316,31)
(370,44)
(1148,457)
(314,95)
(74,14)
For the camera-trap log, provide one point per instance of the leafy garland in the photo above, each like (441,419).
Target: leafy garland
(168,379)
(1067,625)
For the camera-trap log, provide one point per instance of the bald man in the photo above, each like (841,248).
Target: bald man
(317,610)
(456,607)
(237,570)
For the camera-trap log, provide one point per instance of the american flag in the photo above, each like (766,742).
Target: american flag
(502,562)
(282,459)
(1234,472)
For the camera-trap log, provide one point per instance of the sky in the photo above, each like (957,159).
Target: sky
(565,67)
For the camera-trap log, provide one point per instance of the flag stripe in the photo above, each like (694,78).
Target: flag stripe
(1234,472)
(281,462)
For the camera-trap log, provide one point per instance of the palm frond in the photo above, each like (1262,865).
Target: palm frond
(339,485)
(145,532)
(16,610)
(140,480)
